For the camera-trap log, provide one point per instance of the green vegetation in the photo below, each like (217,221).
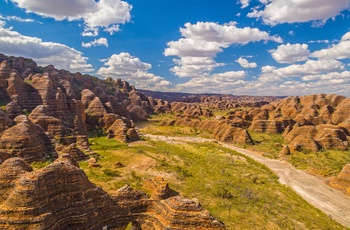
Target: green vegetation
(109,152)
(235,189)
(39,165)
(3,108)
(156,126)
(324,163)
(267,143)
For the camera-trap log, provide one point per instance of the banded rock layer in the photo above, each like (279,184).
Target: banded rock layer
(60,196)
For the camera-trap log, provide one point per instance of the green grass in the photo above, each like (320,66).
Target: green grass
(39,165)
(268,144)
(154,126)
(325,163)
(235,189)
(111,151)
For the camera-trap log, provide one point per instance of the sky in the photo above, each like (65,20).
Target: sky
(240,47)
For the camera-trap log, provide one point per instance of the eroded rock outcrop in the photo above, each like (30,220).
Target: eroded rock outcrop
(27,141)
(122,131)
(60,196)
(310,122)
(342,181)
(66,105)
(220,130)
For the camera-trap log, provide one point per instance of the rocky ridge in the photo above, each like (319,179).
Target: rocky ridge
(60,196)
(45,114)
(61,107)
(310,122)
(306,123)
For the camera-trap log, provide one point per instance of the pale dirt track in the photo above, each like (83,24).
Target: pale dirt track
(311,188)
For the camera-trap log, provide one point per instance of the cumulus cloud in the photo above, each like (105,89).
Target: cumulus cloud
(291,53)
(112,29)
(223,82)
(337,51)
(312,77)
(309,67)
(202,41)
(2,23)
(44,53)
(334,82)
(133,70)
(245,63)
(244,3)
(290,11)
(227,33)
(102,13)
(90,32)
(188,66)
(96,42)
(323,75)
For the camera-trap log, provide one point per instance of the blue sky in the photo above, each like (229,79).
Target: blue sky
(243,47)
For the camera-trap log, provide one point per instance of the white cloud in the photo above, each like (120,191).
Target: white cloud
(225,34)
(90,32)
(319,41)
(332,76)
(291,11)
(309,67)
(331,82)
(133,70)
(202,41)
(337,51)
(112,29)
(245,3)
(44,53)
(346,37)
(312,77)
(96,42)
(245,63)
(2,23)
(15,18)
(267,69)
(194,48)
(291,53)
(229,76)
(325,75)
(102,13)
(223,82)
(188,66)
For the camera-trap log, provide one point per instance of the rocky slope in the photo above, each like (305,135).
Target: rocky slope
(46,113)
(60,196)
(61,107)
(191,114)
(310,122)
(307,123)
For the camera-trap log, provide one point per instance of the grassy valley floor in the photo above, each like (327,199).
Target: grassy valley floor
(235,189)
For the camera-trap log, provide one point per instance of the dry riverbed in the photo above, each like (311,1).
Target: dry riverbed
(311,188)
